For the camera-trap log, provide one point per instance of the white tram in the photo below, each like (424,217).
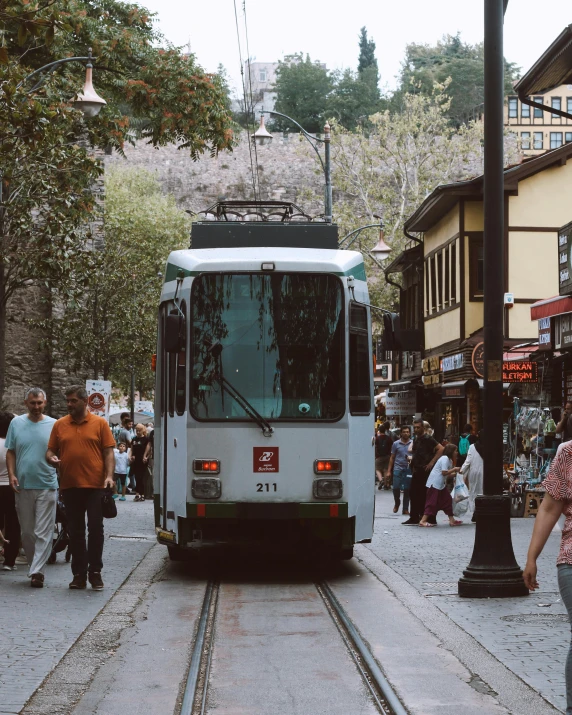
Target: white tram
(264,396)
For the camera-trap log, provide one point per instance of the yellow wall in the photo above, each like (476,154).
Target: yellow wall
(447,227)
(442,328)
(519,323)
(473,216)
(544,199)
(533,264)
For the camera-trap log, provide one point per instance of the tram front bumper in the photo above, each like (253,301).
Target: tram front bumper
(267,510)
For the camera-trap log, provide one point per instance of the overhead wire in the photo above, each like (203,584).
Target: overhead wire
(251,99)
(252,171)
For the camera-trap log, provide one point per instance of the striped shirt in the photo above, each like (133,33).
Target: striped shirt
(558,484)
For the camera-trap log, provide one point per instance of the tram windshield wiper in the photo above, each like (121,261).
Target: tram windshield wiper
(265,426)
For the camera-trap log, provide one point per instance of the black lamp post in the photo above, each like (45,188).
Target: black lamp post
(493,571)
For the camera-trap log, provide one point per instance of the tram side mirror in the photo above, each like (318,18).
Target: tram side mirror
(174,332)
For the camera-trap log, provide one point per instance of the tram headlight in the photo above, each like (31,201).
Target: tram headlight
(328,488)
(328,466)
(206,488)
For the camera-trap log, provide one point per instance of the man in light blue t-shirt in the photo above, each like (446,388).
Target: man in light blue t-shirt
(34,481)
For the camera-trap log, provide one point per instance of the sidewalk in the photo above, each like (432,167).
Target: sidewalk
(38,626)
(530,635)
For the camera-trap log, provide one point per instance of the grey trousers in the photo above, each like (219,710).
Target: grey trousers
(37,515)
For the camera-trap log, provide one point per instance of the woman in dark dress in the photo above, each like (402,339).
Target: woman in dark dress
(139,458)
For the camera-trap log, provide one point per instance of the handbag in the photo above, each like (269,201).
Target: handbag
(108,505)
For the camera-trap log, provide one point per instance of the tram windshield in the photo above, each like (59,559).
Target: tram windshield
(277,338)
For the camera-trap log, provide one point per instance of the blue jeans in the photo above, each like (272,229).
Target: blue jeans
(401,481)
(565,586)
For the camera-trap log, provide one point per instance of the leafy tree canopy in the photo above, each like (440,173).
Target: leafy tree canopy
(355,97)
(366,52)
(302,91)
(425,65)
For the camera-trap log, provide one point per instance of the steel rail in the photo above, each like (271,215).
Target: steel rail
(193,676)
(371,666)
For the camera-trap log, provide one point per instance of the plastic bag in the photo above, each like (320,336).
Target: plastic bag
(460,491)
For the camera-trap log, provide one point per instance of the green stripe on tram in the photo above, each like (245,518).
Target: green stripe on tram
(172,271)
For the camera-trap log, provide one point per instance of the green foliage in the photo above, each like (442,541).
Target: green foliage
(366,52)
(425,65)
(302,91)
(109,321)
(355,97)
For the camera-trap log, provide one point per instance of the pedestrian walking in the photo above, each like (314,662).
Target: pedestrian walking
(466,439)
(82,446)
(121,468)
(383,445)
(425,453)
(149,490)
(472,470)
(400,470)
(8,515)
(138,459)
(34,482)
(564,427)
(438,496)
(557,501)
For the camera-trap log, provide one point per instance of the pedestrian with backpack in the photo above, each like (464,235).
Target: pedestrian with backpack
(466,439)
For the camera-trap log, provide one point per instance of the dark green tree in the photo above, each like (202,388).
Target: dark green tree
(303,88)
(425,65)
(355,97)
(366,52)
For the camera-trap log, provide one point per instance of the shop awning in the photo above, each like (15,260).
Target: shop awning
(458,390)
(549,307)
(403,386)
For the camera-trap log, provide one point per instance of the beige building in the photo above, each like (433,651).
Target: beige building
(442,284)
(536,130)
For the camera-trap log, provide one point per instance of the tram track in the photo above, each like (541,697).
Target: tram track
(197,683)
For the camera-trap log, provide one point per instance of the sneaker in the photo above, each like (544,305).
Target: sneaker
(22,560)
(115,496)
(396,507)
(37,580)
(9,568)
(410,522)
(122,499)
(405,513)
(95,581)
(79,581)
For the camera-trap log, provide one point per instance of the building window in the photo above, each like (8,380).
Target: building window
(569,105)
(525,111)
(512,108)
(538,113)
(262,76)
(360,380)
(555,140)
(476,267)
(441,279)
(453,250)
(525,139)
(556,103)
(538,140)
(433,296)
(568,137)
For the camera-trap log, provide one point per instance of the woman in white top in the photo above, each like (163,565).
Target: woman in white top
(11,537)
(472,470)
(438,497)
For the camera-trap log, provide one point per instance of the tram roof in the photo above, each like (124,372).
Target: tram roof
(192,262)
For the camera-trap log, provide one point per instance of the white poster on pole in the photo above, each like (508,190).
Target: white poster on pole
(98,397)
(401,404)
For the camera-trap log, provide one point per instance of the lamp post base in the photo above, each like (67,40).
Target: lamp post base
(493,571)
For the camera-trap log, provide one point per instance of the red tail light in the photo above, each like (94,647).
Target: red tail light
(328,466)
(206,466)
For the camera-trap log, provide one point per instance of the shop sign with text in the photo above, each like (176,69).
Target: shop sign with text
(452,362)
(564,259)
(544,337)
(520,371)
(401,404)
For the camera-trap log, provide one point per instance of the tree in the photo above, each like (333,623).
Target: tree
(302,91)
(354,98)
(366,52)
(48,172)
(109,325)
(425,65)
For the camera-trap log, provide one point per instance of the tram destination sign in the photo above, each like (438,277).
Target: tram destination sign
(520,371)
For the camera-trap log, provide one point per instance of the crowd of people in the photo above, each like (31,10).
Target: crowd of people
(73,460)
(422,470)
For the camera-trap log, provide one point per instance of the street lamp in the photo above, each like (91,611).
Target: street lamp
(380,251)
(262,137)
(493,571)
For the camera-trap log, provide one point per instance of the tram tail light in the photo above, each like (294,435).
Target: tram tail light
(328,466)
(206,466)
(206,488)
(328,488)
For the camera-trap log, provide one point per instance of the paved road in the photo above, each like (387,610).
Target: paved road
(529,635)
(37,627)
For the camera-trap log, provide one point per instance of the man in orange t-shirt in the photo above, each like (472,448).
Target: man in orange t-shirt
(81,445)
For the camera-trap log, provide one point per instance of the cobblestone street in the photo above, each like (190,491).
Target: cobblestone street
(39,626)
(529,635)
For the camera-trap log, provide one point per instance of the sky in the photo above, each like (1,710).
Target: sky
(329,30)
